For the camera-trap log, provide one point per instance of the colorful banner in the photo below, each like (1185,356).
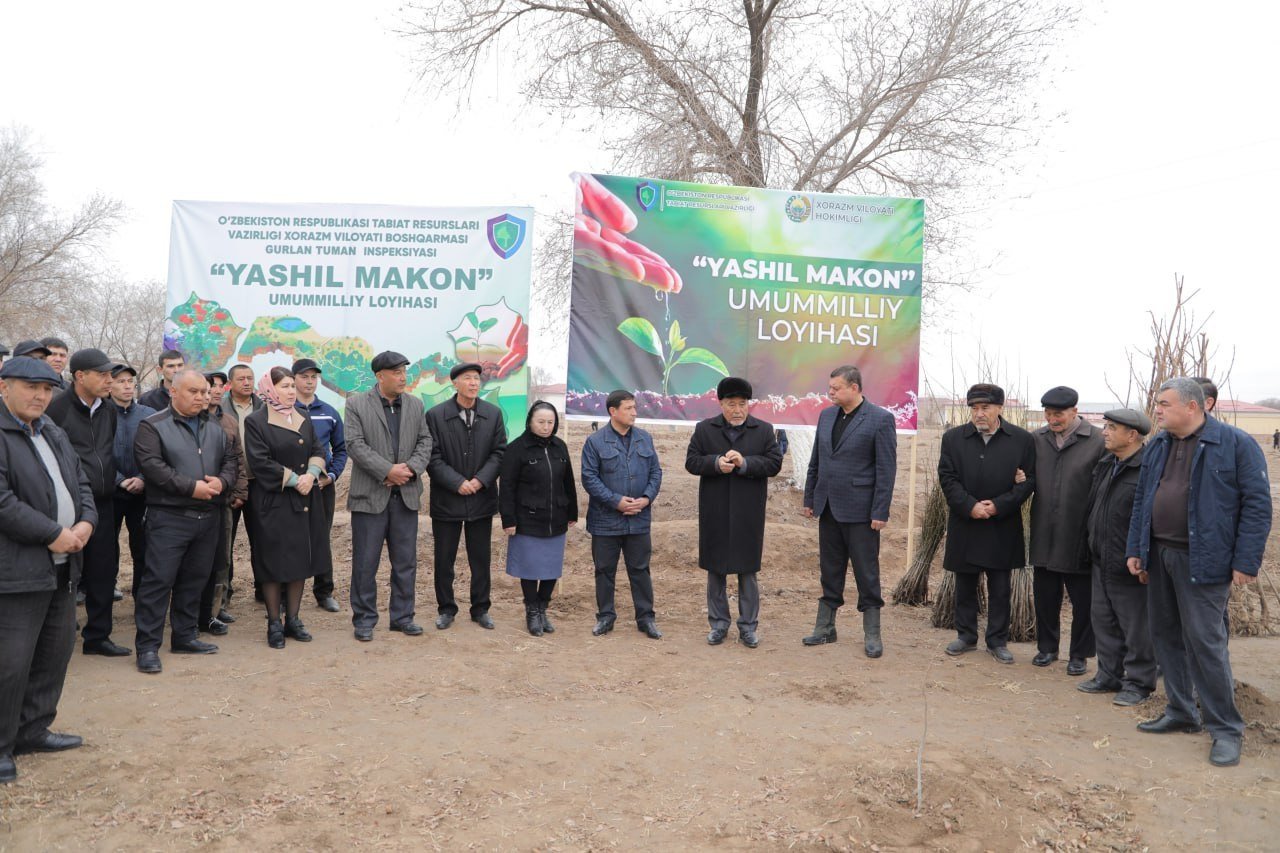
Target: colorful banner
(265,284)
(676,285)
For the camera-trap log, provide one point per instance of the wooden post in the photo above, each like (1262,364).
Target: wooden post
(911,502)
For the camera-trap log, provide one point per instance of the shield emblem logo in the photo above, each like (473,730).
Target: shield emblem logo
(646,195)
(506,235)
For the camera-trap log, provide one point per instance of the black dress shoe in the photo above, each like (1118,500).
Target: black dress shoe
(193,647)
(603,626)
(117,595)
(364,635)
(1097,684)
(328,603)
(958,647)
(8,770)
(1044,659)
(1129,698)
(225,618)
(215,627)
(49,742)
(148,662)
(484,620)
(1076,666)
(444,620)
(717,635)
(409,629)
(650,629)
(1001,654)
(294,629)
(748,639)
(106,648)
(1164,724)
(1225,752)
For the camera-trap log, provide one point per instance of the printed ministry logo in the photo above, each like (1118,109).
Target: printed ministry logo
(798,208)
(646,195)
(506,235)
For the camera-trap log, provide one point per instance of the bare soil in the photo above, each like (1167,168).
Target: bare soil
(497,740)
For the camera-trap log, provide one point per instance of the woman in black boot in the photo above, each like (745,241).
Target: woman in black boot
(538,500)
(284,505)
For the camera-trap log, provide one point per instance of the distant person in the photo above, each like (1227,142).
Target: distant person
(170,363)
(783,441)
(238,402)
(978,466)
(468,438)
(47,514)
(329,432)
(538,503)
(287,459)
(622,475)
(1195,532)
(130,502)
(1275,440)
(59,353)
(849,487)
(733,455)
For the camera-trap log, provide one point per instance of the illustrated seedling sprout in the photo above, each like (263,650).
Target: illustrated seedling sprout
(641,332)
(481,326)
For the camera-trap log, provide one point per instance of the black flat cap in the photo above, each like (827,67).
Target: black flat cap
(1061,397)
(1130,418)
(387,361)
(215,374)
(30,348)
(985,392)
(123,368)
(302,365)
(30,369)
(4,350)
(459,369)
(91,359)
(733,386)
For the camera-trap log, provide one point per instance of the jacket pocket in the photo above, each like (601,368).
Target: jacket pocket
(610,460)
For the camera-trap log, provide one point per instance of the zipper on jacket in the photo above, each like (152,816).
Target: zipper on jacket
(551,493)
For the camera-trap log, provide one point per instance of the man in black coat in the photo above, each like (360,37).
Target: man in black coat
(88,416)
(47,514)
(1126,655)
(977,466)
(1067,449)
(733,455)
(468,438)
(849,487)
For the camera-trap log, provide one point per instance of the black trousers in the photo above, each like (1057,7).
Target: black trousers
(748,601)
(37,634)
(999,583)
(220,572)
(840,544)
(1048,586)
(129,512)
(101,566)
(1126,656)
(322,584)
(447,535)
(179,559)
(537,592)
(236,515)
(635,550)
(397,526)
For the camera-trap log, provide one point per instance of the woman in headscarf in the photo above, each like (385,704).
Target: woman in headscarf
(539,503)
(281,449)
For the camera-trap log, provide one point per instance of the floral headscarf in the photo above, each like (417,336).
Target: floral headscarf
(267,389)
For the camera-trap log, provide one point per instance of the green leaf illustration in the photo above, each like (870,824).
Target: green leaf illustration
(673,337)
(461,340)
(642,333)
(472,319)
(486,325)
(705,357)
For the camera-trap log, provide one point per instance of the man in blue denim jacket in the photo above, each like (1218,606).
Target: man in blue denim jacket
(1201,516)
(620,472)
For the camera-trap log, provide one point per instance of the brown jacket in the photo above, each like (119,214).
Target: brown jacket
(231,427)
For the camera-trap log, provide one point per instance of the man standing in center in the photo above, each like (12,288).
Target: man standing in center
(1067,449)
(733,455)
(849,487)
(390,447)
(469,438)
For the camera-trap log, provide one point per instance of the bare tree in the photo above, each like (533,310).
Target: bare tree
(925,98)
(45,256)
(123,319)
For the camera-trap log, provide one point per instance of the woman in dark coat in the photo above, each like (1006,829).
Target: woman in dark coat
(285,458)
(538,500)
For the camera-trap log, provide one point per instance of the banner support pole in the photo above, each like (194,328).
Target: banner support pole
(911,502)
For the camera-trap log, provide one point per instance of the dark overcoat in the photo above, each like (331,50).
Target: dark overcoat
(731,507)
(971,471)
(459,454)
(292,538)
(1064,477)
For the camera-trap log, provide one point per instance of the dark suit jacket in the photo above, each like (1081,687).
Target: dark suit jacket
(855,477)
(971,471)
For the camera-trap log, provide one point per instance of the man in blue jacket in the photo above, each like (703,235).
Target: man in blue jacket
(328,426)
(1200,522)
(620,472)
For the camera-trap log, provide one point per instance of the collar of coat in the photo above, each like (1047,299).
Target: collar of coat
(1134,461)
(1210,433)
(455,410)
(721,421)
(9,421)
(1082,430)
(970,430)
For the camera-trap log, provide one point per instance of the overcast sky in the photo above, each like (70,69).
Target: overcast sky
(1164,160)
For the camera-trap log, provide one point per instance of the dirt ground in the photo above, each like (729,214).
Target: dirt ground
(497,740)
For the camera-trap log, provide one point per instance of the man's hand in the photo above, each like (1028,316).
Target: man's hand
(215,484)
(735,458)
(724,464)
(399,474)
(467,488)
(133,485)
(1020,476)
(66,543)
(324,482)
(84,530)
(476,486)
(990,508)
(1241,579)
(304,484)
(510,531)
(878,525)
(808,512)
(202,491)
(979,511)
(237,503)
(1135,565)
